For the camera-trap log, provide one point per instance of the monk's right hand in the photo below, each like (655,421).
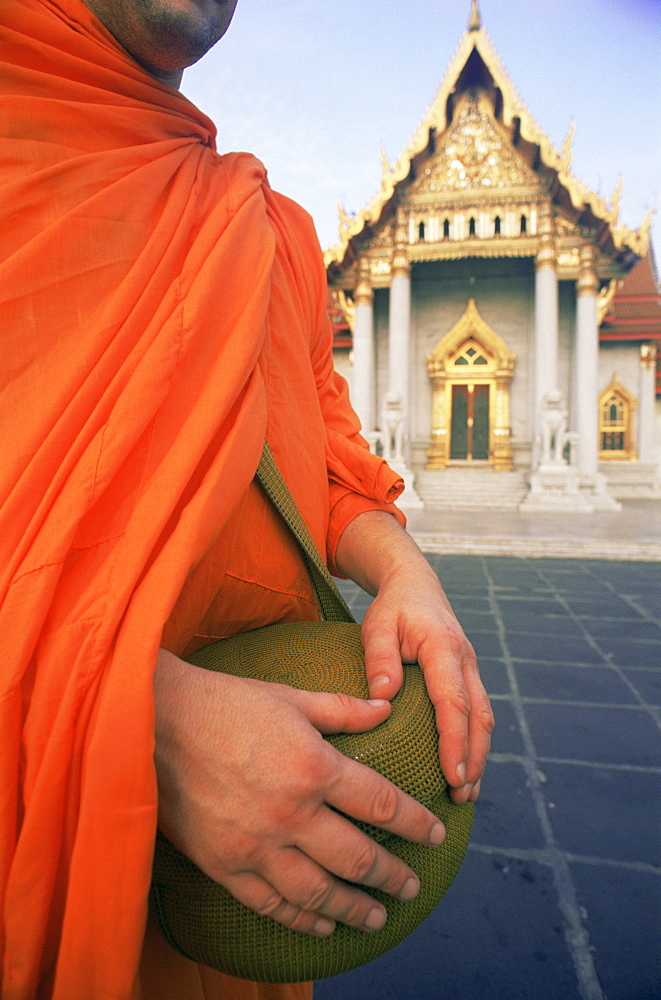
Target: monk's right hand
(251,792)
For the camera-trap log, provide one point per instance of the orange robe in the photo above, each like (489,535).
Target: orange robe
(161,311)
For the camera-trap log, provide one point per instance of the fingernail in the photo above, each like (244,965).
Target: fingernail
(379,682)
(437,835)
(377,702)
(410,890)
(375,920)
(476,791)
(323,927)
(461,773)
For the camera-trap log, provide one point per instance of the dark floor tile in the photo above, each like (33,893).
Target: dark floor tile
(552,648)
(471,604)
(576,583)
(505,812)
(600,735)
(542,625)
(605,813)
(475,621)
(632,652)
(647,683)
(506,737)
(606,608)
(566,683)
(618,628)
(497,935)
(511,607)
(623,916)
(494,675)
(486,643)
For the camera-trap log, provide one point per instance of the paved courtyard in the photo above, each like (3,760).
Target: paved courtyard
(559,897)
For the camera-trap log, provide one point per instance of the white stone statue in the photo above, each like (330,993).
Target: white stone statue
(554,428)
(392,428)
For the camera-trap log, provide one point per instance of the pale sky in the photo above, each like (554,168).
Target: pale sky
(314,88)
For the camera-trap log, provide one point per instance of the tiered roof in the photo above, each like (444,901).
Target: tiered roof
(474,67)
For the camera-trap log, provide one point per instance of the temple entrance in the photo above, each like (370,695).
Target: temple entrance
(471,370)
(469,425)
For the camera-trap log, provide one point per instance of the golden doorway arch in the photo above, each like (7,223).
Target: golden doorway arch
(471,370)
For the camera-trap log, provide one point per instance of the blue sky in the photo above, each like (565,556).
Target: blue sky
(316,87)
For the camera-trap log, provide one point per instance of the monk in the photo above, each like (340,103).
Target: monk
(162,314)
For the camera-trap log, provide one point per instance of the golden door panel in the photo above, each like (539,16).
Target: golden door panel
(469,422)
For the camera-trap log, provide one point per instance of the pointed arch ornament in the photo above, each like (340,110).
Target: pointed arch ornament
(471,354)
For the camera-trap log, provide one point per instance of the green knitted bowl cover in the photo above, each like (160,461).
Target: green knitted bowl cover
(204,922)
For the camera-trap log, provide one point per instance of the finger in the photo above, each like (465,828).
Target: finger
(446,666)
(342,849)
(257,894)
(474,718)
(312,889)
(340,713)
(383,661)
(363,794)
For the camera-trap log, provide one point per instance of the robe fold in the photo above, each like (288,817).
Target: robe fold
(161,312)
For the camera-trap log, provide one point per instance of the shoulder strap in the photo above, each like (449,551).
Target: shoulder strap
(331,602)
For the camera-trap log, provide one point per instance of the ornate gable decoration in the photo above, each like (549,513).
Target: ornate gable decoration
(460,166)
(474,156)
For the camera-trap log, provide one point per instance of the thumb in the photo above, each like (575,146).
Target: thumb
(340,713)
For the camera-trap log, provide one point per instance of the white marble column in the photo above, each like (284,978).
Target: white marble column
(362,376)
(546,321)
(587,364)
(399,358)
(646,403)
(399,330)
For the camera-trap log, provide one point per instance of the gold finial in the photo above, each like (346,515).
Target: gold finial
(474,21)
(385,165)
(644,230)
(565,155)
(615,200)
(345,218)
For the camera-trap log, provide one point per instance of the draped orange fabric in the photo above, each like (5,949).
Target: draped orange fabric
(154,299)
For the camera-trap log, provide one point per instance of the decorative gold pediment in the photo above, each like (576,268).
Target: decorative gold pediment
(474,167)
(471,331)
(474,156)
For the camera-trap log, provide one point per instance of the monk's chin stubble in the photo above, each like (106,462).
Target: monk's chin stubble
(178,37)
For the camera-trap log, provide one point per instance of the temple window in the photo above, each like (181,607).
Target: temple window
(496,226)
(616,406)
(524,225)
(471,226)
(421,231)
(446,229)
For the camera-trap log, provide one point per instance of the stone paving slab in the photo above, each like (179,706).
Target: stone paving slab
(560,894)
(632,534)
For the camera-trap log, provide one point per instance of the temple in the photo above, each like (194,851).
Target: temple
(495,319)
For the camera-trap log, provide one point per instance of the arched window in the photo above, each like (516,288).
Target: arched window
(421,231)
(496,226)
(446,229)
(524,225)
(471,226)
(616,406)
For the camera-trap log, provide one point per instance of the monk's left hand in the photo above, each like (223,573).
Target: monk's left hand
(411,621)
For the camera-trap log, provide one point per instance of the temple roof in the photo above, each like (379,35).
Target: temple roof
(634,312)
(476,75)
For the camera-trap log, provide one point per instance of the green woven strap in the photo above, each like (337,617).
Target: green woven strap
(332,604)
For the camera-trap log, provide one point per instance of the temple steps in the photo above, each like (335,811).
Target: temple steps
(631,480)
(471,488)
